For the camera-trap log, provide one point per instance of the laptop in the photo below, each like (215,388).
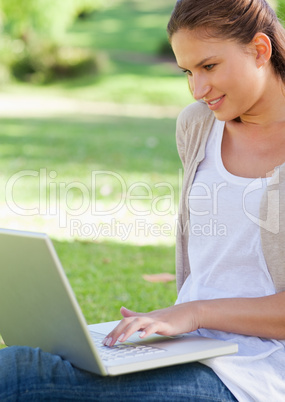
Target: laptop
(39,309)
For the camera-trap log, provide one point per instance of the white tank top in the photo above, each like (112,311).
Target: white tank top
(226,260)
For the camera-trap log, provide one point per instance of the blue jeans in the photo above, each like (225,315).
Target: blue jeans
(28,374)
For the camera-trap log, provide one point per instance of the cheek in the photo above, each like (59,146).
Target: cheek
(243,74)
(229,77)
(237,82)
(245,88)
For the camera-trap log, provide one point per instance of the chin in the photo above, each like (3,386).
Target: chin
(227,116)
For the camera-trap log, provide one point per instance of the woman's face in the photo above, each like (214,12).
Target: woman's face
(221,72)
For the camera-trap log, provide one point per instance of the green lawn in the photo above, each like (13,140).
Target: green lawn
(109,275)
(77,165)
(47,163)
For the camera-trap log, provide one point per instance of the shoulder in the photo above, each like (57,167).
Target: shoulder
(195,113)
(194,125)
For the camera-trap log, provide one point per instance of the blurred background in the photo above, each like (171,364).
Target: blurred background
(90,92)
(89,88)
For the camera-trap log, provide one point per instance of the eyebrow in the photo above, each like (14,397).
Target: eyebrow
(201,62)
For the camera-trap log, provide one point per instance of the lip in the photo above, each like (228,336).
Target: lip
(216,105)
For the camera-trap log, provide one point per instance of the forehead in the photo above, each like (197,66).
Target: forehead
(195,45)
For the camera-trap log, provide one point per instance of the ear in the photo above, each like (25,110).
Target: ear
(263,49)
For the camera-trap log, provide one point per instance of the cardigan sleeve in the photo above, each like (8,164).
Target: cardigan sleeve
(194,124)
(272,228)
(180,137)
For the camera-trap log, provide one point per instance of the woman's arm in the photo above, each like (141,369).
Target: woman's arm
(263,317)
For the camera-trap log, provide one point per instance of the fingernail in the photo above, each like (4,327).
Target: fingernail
(109,341)
(142,334)
(121,337)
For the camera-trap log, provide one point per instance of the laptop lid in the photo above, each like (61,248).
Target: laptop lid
(38,307)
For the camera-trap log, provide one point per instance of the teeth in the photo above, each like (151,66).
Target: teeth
(215,101)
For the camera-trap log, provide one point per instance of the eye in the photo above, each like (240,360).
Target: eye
(188,72)
(209,67)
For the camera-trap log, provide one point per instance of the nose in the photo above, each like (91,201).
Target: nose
(199,86)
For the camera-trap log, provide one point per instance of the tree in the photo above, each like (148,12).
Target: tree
(45,18)
(30,43)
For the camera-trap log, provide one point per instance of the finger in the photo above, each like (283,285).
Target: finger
(133,325)
(127,327)
(155,327)
(112,337)
(144,324)
(128,313)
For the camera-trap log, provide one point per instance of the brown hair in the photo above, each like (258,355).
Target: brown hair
(239,20)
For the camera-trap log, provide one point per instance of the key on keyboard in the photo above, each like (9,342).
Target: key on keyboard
(120,351)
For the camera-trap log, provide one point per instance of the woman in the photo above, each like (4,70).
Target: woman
(232,145)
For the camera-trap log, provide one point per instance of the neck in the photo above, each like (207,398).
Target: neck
(270,110)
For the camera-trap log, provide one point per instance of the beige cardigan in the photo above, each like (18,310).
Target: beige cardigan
(193,128)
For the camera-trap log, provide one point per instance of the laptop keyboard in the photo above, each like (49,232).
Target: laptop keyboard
(123,350)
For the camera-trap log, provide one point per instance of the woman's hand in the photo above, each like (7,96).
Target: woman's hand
(261,316)
(170,321)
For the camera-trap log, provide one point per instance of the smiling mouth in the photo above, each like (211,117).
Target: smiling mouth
(213,102)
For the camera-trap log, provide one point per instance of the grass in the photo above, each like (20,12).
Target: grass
(105,271)
(127,36)
(97,270)
(56,165)
(130,25)
(75,145)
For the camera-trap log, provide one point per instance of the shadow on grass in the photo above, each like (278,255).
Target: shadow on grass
(129,37)
(125,25)
(78,143)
